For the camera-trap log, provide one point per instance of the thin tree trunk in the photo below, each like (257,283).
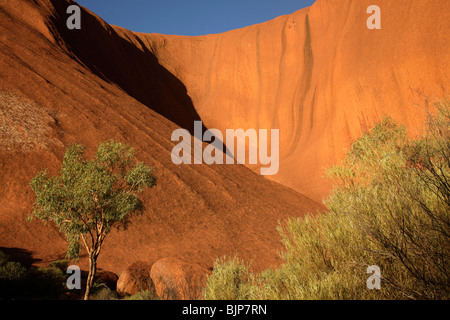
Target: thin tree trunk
(91,275)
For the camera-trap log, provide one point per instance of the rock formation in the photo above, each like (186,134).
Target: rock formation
(319,75)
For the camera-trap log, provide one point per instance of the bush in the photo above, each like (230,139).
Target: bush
(144,295)
(390,208)
(12,277)
(45,283)
(230,280)
(18,282)
(60,264)
(10,270)
(104,293)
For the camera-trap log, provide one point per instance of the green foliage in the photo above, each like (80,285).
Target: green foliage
(46,283)
(59,264)
(104,293)
(12,277)
(89,197)
(10,270)
(229,281)
(390,208)
(144,295)
(18,282)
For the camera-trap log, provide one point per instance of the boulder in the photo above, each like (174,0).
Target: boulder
(136,278)
(175,279)
(108,278)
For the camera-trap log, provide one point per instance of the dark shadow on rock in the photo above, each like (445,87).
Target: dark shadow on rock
(116,60)
(25,257)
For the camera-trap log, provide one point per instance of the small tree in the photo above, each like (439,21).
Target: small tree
(90,197)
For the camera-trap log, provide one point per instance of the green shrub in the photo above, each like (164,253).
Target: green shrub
(4,258)
(10,270)
(46,283)
(60,264)
(231,280)
(390,208)
(18,282)
(104,293)
(144,295)
(12,277)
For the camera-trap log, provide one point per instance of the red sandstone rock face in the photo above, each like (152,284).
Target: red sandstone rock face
(58,88)
(319,75)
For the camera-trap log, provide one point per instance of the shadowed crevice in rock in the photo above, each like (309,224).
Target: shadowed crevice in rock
(117,60)
(24,256)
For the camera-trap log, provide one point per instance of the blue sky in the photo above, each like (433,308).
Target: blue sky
(190,17)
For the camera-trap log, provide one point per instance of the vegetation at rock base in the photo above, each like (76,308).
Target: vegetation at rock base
(18,281)
(390,207)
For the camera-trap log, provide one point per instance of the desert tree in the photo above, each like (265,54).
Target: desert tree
(87,198)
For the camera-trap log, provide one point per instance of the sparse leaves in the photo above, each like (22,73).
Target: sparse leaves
(90,197)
